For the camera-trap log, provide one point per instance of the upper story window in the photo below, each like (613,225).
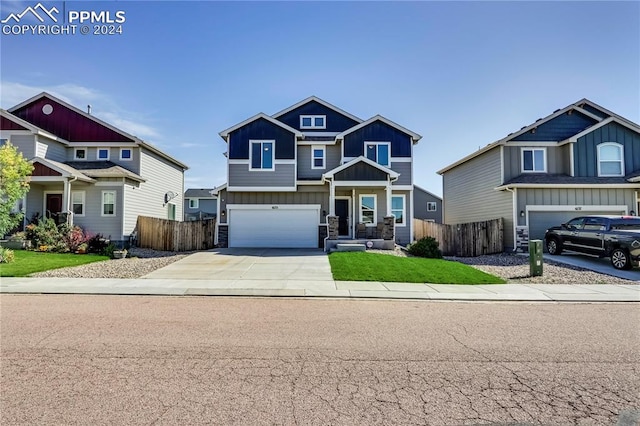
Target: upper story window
(80,154)
(313,121)
(432,206)
(317,157)
(534,160)
(193,203)
(261,155)
(398,209)
(103,154)
(610,159)
(378,152)
(125,154)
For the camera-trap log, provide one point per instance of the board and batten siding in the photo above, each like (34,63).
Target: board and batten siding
(404,168)
(147,199)
(284,175)
(574,197)
(513,160)
(332,160)
(469,194)
(586,149)
(93,221)
(26,144)
(50,150)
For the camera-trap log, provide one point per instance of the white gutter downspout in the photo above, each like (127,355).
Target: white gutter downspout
(515,214)
(67,190)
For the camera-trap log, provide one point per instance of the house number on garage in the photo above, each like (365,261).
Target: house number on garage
(274,207)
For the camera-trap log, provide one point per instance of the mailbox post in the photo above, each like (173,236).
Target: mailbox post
(535,258)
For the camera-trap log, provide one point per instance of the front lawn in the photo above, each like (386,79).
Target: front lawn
(29,262)
(362,266)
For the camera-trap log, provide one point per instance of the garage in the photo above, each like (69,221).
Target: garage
(540,221)
(274,226)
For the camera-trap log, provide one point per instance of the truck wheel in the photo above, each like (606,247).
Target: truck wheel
(554,246)
(620,259)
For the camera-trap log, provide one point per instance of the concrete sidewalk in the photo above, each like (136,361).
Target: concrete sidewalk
(325,288)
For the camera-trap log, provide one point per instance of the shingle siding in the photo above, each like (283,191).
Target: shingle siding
(469,194)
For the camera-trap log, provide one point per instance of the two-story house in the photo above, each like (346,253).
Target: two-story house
(88,172)
(582,159)
(199,204)
(313,172)
(426,205)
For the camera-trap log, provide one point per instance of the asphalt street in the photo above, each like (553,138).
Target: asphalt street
(172,360)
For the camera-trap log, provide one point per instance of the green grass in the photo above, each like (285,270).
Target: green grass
(362,266)
(29,262)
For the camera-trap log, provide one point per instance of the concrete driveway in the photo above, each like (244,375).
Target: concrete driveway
(599,265)
(248,268)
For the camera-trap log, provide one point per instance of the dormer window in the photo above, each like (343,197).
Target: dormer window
(534,160)
(610,159)
(313,121)
(80,154)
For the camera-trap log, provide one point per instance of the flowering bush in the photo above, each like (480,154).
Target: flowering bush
(47,236)
(73,236)
(6,255)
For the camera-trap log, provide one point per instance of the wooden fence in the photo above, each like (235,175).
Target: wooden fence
(169,235)
(464,239)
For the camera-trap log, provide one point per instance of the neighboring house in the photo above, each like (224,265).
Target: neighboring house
(582,159)
(426,206)
(200,204)
(88,172)
(289,172)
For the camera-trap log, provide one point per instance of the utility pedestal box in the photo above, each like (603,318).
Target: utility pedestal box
(535,258)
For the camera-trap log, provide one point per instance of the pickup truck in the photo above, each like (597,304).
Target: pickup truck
(615,237)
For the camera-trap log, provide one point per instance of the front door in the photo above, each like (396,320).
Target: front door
(342,211)
(54,206)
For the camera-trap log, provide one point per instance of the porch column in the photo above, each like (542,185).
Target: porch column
(388,191)
(66,203)
(332,198)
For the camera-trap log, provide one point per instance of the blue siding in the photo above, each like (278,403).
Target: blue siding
(261,129)
(336,122)
(558,129)
(585,150)
(595,111)
(377,132)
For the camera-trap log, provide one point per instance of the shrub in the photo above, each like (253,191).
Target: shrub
(426,247)
(97,244)
(73,236)
(6,255)
(46,235)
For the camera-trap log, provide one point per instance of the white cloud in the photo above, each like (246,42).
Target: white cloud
(103,106)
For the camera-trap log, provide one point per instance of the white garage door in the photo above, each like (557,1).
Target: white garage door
(280,227)
(540,221)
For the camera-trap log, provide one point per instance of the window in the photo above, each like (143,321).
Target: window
(317,157)
(378,152)
(102,154)
(610,159)
(368,209)
(77,203)
(534,160)
(576,223)
(108,203)
(432,206)
(3,141)
(125,154)
(80,154)
(261,155)
(397,208)
(594,224)
(313,121)
(193,203)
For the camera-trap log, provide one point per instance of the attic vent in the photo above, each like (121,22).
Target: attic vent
(47,109)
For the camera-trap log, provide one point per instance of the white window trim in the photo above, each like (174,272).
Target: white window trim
(375,209)
(324,156)
(84,203)
(98,154)
(378,144)
(404,209)
(621,147)
(533,149)
(75,154)
(195,201)
(172,205)
(273,159)
(130,156)
(435,206)
(313,121)
(102,203)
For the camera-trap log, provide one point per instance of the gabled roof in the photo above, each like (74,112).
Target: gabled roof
(330,174)
(416,137)
(576,106)
(64,169)
(428,192)
(626,123)
(225,133)
(100,122)
(321,102)
(199,193)
(33,128)
(103,169)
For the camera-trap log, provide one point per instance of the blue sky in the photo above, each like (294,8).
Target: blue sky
(461,74)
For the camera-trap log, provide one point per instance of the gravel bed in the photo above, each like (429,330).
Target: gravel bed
(142,262)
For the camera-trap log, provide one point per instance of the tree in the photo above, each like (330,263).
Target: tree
(14,184)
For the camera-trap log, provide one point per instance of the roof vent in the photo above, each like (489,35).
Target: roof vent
(557,110)
(89,109)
